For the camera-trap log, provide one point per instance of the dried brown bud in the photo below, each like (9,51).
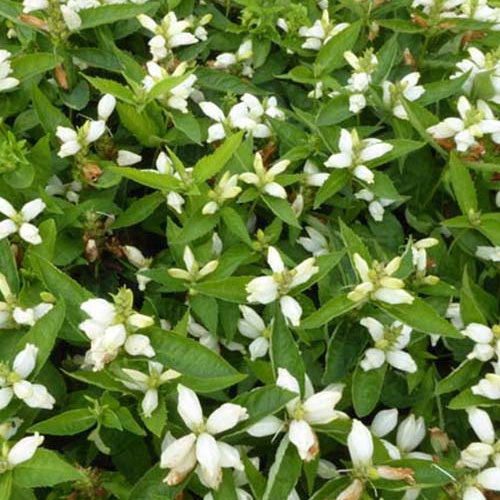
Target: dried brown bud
(61,77)
(34,21)
(408,58)
(352,492)
(470,36)
(439,439)
(419,21)
(91,172)
(267,152)
(91,251)
(396,473)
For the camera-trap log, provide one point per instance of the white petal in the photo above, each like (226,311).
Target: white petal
(7,227)
(291,310)
(24,449)
(208,456)
(360,444)
(25,361)
(137,345)
(6,395)
(374,358)
(286,381)
(320,407)
(384,422)
(304,438)
(266,427)
(225,417)
(189,407)
(262,290)
(481,423)
(212,111)
(274,260)
(95,130)
(176,453)
(99,309)
(490,478)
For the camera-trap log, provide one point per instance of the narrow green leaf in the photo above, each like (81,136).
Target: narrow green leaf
(333,308)
(68,423)
(366,389)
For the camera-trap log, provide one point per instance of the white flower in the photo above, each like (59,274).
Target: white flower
(313,176)
(314,409)
(453,313)
(74,141)
(149,384)
(488,253)
(321,32)
(253,327)
(200,447)
(137,259)
(487,341)
(23,450)
(19,222)
(70,190)
(30,315)
(126,158)
(9,427)
(111,327)
(267,289)
(411,432)
(360,445)
(170,33)
(360,79)
(31,5)
(224,190)
(71,18)
(489,386)
(376,206)
(217,131)
(378,283)
(6,82)
(389,344)
(249,115)
(106,106)
(192,271)
(264,180)
(13,382)
(355,152)
(395,93)
(315,243)
(474,123)
(243,56)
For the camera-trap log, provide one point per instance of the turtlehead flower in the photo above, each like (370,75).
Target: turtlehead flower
(9,427)
(478,454)
(13,382)
(70,190)
(315,242)
(68,11)
(360,79)
(303,414)
(321,32)
(224,190)
(12,314)
(149,384)
(420,261)
(488,253)
(411,432)
(264,180)
(169,34)
(137,259)
(389,344)
(200,446)
(176,97)
(483,65)
(474,122)
(454,314)
(241,58)
(253,327)
(19,222)
(394,94)
(218,130)
(106,106)
(209,340)
(376,206)
(78,141)
(487,341)
(489,386)
(355,152)
(479,10)
(267,289)
(126,158)
(378,283)
(111,328)
(6,82)
(21,452)
(193,272)
(313,175)
(360,445)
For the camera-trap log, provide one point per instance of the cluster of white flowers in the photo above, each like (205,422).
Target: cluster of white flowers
(68,9)
(267,289)
(321,32)
(225,189)
(241,59)
(111,327)
(193,272)
(264,180)
(360,79)
(6,82)
(19,222)
(11,312)
(249,115)
(474,123)
(376,206)
(394,94)
(13,382)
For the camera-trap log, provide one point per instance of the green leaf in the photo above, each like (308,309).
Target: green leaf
(227,489)
(6,485)
(282,209)
(50,117)
(470,306)
(231,289)
(466,399)
(330,56)
(187,124)
(46,468)
(332,309)
(400,25)
(284,351)
(284,473)
(100,379)
(336,110)
(209,373)
(436,91)
(151,487)
(196,227)
(353,243)
(220,81)
(111,87)
(366,389)
(139,123)
(337,179)
(210,165)
(256,479)
(463,185)
(422,317)
(9,266)
(459,377)
(150,179)
(43,334)
(139,210)
(68,423)
(401,147)
(235,224)
(29,65)
(107,14)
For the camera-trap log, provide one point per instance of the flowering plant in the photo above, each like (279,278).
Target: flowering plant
(249,249)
